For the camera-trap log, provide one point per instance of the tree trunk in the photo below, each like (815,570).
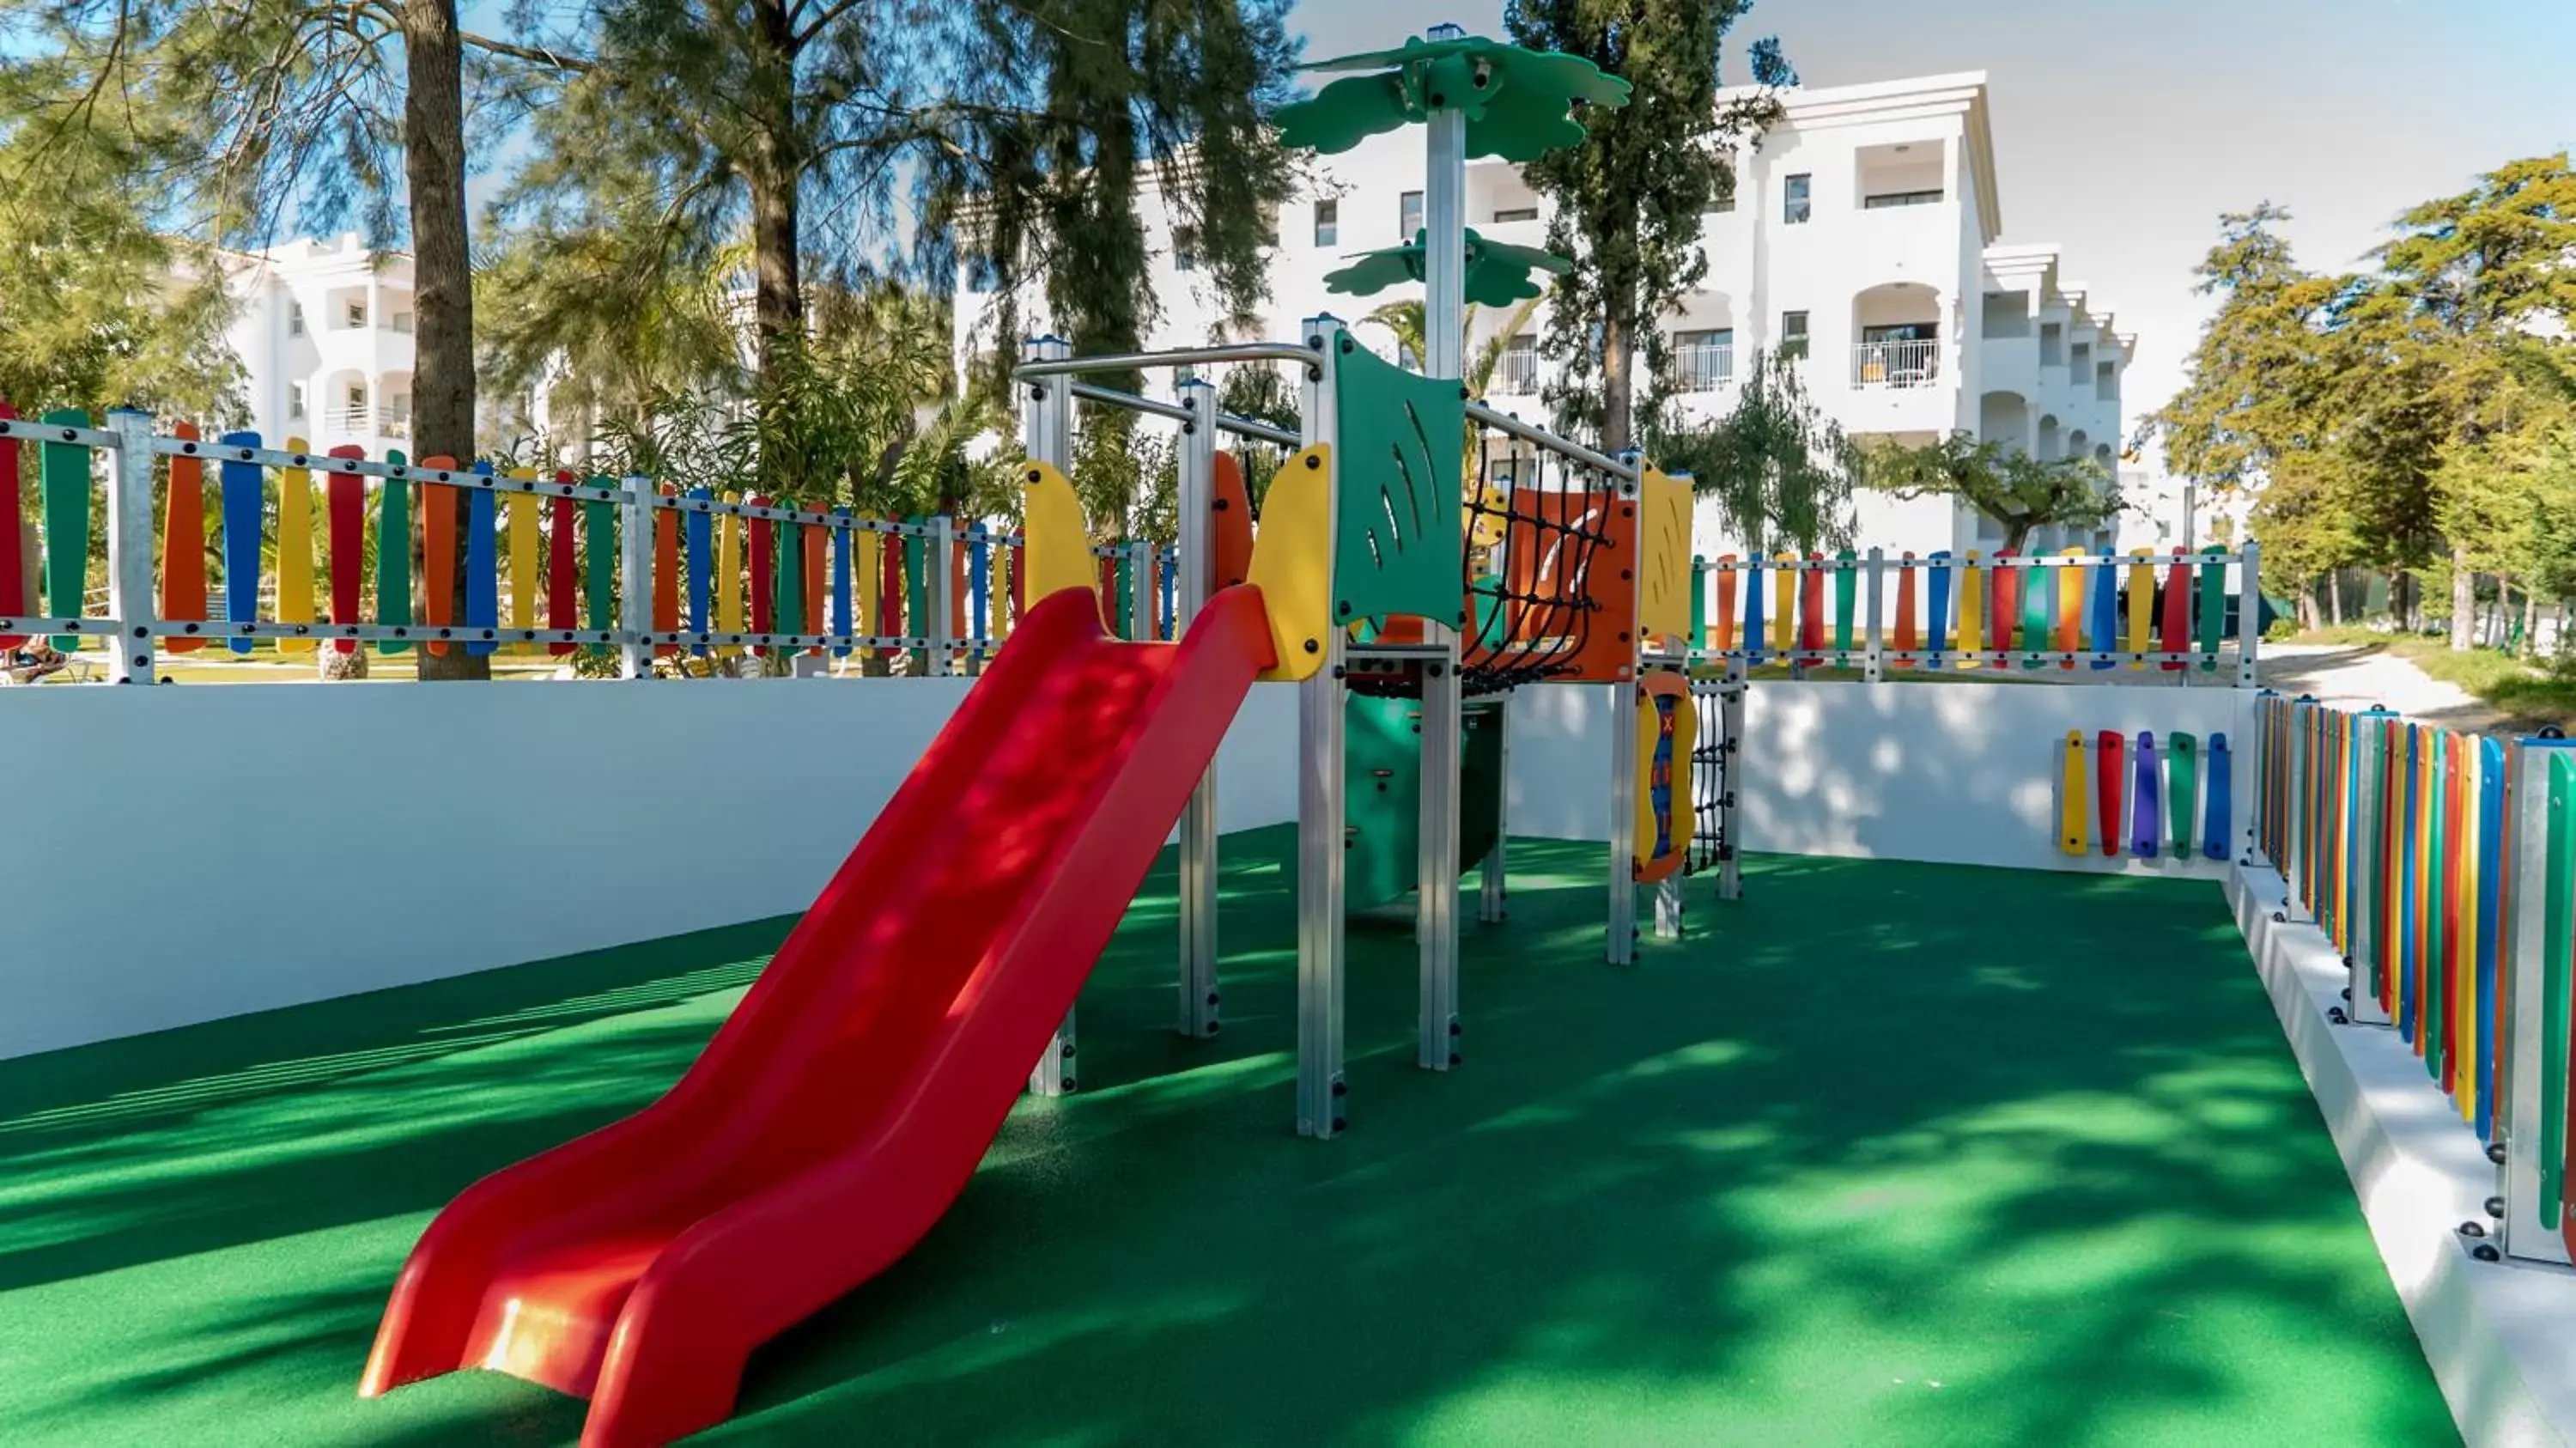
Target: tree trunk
(442,393)
(2307,608)
(1617,421)
(2334,596)
(2464,599)
(2530,623)
(778,299)
(2016,535)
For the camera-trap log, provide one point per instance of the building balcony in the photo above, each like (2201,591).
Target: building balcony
(1516,375)
(1701,367)
(1896,364)
(393,422)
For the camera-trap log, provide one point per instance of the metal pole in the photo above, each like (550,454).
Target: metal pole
(942,590)
(1622,930)
(1144,590)
(1435,917)
(1493,891)
(129,547)
(1198,984)
(635,579)
(1874,663)
(1730,754)
(2249,613)
(2528,807)
(2294,828)
(1320,1087)
(1046,429)
(1444,227)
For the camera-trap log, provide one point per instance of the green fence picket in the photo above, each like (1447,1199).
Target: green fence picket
(393,557)
(63,477)
(599,568)
(2213,603)
(1846,585)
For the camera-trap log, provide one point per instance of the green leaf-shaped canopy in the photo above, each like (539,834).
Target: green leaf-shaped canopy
(1518,103)
(1498,273)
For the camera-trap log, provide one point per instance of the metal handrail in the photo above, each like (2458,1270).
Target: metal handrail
(1182,357)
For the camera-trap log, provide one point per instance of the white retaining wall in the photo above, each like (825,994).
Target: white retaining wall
(1957,773)
(178,854)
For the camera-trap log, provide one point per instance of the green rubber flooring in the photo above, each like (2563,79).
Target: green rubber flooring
(1885,1154)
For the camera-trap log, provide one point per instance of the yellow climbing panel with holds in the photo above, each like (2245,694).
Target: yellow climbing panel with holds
(1292,563)
(1664,557)
(1059,541)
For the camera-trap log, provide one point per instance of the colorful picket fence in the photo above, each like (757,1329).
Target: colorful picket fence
(546,559)
(2073,611)
(2442,866)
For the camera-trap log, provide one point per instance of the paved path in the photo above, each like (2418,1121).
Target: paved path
(2359,676)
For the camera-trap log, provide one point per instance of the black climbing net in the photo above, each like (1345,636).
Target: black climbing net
(1532,614)
(1712,784)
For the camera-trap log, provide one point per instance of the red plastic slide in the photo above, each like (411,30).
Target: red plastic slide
(854,1090)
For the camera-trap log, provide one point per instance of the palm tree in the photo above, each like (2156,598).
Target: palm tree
(1405,320)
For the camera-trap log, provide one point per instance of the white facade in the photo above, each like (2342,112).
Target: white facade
(324,334)
(1866,222)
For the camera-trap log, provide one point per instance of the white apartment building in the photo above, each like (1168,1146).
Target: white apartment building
(324,335)
(1865,236)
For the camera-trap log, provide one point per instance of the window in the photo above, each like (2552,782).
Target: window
(1702,360)
(2079,358)
(1794,205)
(357,397)
(1517,372)
(1408,214)
(1902,332)
(353,312)
(2106,381)
(1185,249)
(2052,344)
(295,319)
(1515,213)
(1723,205)
(1901,198)
(1793,335)
(1328,223)
(295,399)
(402,322)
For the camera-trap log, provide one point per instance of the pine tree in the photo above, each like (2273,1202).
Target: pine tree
(1628,200)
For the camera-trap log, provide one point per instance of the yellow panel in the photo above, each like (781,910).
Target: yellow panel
(1664,557)
(295,549)
(728,579)
(1680,798)
(2071,805)
(524,550)
(1059,549)
(1292,563)
(2142,595)
(1784,594)
(869,562)
(1972,610)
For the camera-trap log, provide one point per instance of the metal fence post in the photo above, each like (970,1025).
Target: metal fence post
(129,548)
(1046,427)
(635,579)
(1198,863)
(2365,840)
(943,594)
(2249,614)
(1321,1107)
(1874,661)
(1621,942)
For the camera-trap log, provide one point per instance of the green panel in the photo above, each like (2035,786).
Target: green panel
(790,573)
(2212,613)
(2035,609)
(1518,103)
(2557,940)
(1699,602)
(1846,581)
(916,588)
(1396,538)
(64,477)
(2182,787)
(599,541)
(1382,810)
(393,557)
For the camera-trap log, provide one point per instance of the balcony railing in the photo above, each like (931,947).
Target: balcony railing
(1517,373)
(367,421)
(1701,367)
(1896,364)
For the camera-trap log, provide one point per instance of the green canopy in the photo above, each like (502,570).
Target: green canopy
(1498,273)
(1518,103)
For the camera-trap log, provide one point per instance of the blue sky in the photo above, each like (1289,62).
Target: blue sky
(2124,127)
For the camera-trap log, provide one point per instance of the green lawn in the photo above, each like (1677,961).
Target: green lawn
(1886,1154)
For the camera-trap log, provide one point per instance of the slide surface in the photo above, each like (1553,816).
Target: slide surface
(850,1096)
